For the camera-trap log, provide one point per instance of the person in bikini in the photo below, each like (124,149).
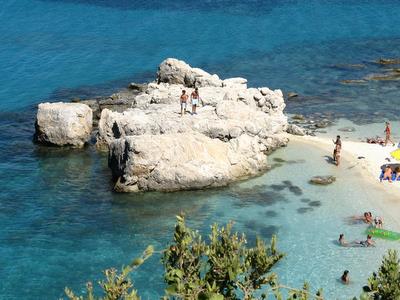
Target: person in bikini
(387,174)
(195,98)
(397,172)
(336,151)
(388,132)
(183,99)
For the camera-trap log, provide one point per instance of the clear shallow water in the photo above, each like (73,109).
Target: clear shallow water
(60,224)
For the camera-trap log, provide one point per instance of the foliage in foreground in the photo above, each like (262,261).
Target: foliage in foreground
(225,268)
(116,285)
(385,284)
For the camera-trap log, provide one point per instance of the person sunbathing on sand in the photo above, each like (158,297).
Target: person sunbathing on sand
(387,174)
(397,172)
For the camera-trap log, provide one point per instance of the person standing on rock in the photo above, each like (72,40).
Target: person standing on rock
(336,151)
(195,97)
(184,99)
(388,133)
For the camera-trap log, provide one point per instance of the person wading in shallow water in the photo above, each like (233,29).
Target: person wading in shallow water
(184,99)
(388,132)
(336,151)
(195,97)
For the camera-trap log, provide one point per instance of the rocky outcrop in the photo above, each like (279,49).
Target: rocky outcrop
(175,71)
(152,147)
(63,124)
(183,161)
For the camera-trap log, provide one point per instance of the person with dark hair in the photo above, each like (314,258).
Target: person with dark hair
(345,277)
(336,151)
(368,242)
(183,99)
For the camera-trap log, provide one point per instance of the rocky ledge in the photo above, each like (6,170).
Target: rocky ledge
(152,147)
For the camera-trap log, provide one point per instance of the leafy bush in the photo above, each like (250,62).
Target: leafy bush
(222,268)
(385,284)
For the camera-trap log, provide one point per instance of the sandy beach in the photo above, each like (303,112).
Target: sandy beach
(367,159)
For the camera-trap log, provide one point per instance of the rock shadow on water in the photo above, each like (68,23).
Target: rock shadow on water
(296,190)
(277,187)
(282,161)
(274,166)
(271,213)
(315,203)
(258,195)
(287,183)
(254,229)
(303,210)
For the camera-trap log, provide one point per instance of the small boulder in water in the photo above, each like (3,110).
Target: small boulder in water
(63,124)
(295,130)
(322,180)
(292,95)
(347,129)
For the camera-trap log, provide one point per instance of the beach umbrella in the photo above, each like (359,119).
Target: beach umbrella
(395,154)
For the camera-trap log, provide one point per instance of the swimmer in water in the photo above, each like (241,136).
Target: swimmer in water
(345,277)
(368,242)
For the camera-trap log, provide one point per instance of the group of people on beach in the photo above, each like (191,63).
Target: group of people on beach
(194,101)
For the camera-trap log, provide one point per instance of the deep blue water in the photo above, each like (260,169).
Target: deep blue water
(59,222)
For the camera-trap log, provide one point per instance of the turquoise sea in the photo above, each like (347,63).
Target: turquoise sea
(60,224)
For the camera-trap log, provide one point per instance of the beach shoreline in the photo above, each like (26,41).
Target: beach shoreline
(368,167)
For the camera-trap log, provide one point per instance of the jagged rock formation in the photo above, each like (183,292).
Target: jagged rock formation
(151,147)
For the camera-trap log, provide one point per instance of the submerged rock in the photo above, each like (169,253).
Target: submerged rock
(388,61)
(322,180)
(63,124)
(353,81)
(292,95)
(347,129)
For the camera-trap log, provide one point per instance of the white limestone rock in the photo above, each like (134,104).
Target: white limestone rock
(175,71)
(174,162)
(236,83)
(295,130)
(63,124)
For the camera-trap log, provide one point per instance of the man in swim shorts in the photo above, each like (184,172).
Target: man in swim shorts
(184,99)
(368,242)
(195,97)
